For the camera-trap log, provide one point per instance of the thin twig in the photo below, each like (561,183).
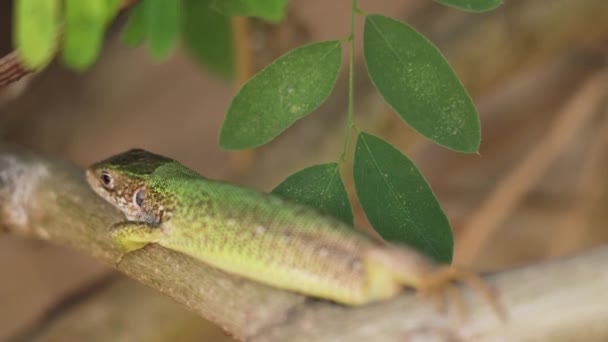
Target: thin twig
(11,69)
(574,222)
(243,66)
(243,51)
(486,220)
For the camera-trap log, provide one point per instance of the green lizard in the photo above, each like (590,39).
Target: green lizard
(257,235)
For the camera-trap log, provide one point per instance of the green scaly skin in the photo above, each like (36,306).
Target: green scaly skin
(252,234)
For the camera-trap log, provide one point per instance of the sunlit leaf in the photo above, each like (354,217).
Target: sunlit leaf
(112,9)
(84,28)
(36,29)
(416,80)
(320,187)
(398,201)
(288,89)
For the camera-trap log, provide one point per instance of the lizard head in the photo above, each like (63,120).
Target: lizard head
(123,180)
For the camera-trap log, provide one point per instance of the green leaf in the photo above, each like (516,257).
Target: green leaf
(269,10)
(134,33)
(288,89)
(84,28)
(163,24)
(36,28)
(112,9)
(472,5)
(208,36)
(320,187)
(416,80)
(397,200)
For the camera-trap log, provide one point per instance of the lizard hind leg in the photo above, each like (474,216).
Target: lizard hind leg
(129,236)
(390,269)
(443,279)
(437,282)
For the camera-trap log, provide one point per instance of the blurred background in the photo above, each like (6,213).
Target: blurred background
(535,191)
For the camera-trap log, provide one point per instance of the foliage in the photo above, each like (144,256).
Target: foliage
(414,78)
(270,10)
(406,68)
(288,89)
(321,187)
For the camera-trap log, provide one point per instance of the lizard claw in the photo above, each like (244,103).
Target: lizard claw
(439,286)
(119,260)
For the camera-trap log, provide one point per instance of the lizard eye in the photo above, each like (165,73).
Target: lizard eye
(139,197)
(107,180)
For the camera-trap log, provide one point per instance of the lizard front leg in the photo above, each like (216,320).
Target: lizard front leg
(129,236)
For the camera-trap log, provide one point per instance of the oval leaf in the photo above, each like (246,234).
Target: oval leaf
(36,30)
(134,33)
(414,78)
(288,89)
(112,9)
(472,5)
(320,187)
(208,36)
(84,28)
(163,24)
(397,200)
(269,10)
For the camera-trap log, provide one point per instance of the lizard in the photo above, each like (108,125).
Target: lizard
(261,236)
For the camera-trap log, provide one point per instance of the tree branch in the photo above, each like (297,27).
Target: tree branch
(45,198)
(11,69)
(49,199)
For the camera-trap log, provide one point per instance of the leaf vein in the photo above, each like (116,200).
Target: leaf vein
(389,185)
(331,180)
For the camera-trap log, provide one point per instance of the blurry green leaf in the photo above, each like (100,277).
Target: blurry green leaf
(270,10)
(208,36)
(36,30)
(415,79)
(472,5)
(320,187)
(288,89)
(397,200)
(163,24)
(84,28)
(134,33)
(112,8)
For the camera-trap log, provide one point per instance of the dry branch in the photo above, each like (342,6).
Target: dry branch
(508,193)
(45,198)
(11,67)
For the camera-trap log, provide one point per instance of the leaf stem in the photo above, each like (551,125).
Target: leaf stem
(351,83)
